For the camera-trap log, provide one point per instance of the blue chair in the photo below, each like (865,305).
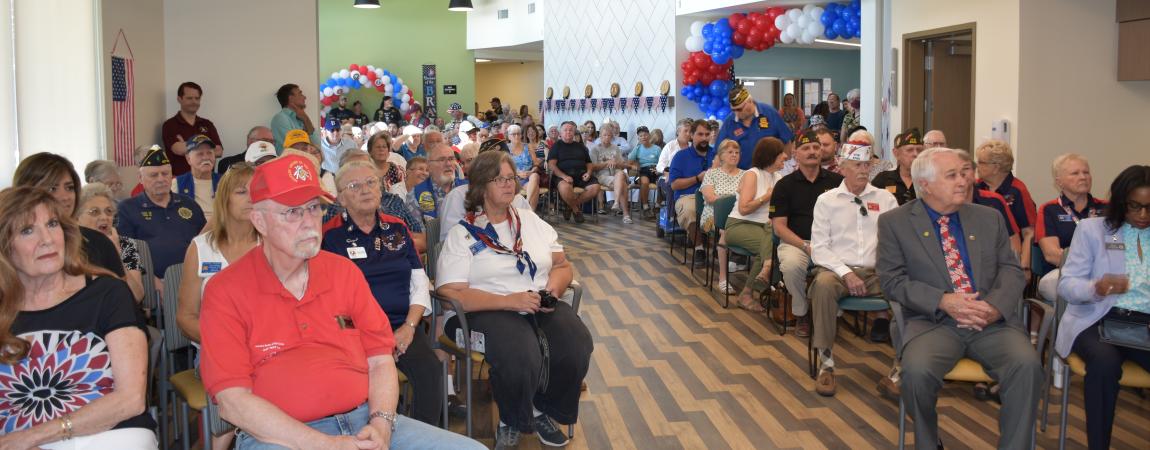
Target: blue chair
(858,306)
(723,207)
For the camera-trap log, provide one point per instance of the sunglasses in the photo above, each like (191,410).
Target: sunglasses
(862,209)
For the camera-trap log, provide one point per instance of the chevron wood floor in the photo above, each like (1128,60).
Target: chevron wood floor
(673,369)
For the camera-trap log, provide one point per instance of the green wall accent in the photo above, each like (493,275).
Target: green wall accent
(400,36)
(841,66)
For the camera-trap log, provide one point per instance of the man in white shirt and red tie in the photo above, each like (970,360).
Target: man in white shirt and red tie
(948,265)
(844,236)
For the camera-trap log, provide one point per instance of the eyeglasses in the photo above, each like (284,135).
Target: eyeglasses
(443,160)
(359,186)
(862,209)
(933,144)
(1135,207)
(95,212)
(503,181)
(293,215)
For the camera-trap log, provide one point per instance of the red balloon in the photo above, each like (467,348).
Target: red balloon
(736,19)
(700,59)
(380,88)
(686,65)
(707,78)
(739,39)
(353,67)
(326,101)
(772,13)
(753,40)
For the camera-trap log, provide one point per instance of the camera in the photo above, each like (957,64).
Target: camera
(547,300)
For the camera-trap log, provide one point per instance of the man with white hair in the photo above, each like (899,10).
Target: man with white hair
(617,140)
(844,236)
(337,139)
(934,139)
(948,265)
(441,166)
(296,350)
(750,121)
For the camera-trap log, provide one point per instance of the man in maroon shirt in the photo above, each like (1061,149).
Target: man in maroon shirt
(186,124)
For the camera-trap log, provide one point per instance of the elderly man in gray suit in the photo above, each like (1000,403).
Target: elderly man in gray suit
(948,264)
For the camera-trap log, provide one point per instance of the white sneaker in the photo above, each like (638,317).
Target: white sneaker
(725,287)
(735,267)
(627,219)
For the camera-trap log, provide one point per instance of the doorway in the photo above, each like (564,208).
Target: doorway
(938,91)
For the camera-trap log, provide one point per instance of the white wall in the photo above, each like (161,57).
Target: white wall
(240,52)
(634,45)
(9,150)
(486,30)
(997,53)
(1070,100)
(698,6)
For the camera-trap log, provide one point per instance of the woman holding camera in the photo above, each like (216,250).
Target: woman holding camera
(495,263)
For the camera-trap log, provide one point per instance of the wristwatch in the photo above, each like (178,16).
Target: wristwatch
(388,416)
(410,324)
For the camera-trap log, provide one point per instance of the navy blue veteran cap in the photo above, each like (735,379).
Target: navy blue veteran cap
(155,157)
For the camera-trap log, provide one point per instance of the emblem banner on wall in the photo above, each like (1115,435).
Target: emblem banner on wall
(429,95)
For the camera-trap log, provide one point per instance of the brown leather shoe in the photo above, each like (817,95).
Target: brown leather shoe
(802,326)
(888,388)
(825,383)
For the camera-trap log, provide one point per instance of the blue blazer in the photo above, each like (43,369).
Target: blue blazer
(1088,260)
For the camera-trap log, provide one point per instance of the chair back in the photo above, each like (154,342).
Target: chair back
(174,339)
(723,207)
(431,228)
(700,203)
(1038,264)
(151,297)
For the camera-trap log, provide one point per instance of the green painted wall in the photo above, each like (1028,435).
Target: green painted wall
(401,36)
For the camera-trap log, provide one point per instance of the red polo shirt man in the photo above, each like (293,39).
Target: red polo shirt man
(297,352)
(185,124)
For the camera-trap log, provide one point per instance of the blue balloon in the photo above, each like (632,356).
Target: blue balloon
(840,27)
(721,58)
(717,88)
(856,5)
(708,30)
(828,16)
(830,33)
(736,52)
(723,23)
(845,13)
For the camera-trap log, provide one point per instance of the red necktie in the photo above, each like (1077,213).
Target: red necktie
(954,263)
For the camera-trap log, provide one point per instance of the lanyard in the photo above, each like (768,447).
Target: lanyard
(1090,212)
(487,237)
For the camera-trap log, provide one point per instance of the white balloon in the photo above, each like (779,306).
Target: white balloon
(327,91)
(344,73)
(386,79)
(794,14)
(404,107)
(803,21)
(697,28)
(782,21)
(816,13)
(400,80)
(808,36)
(355,75)
(807,9)
(818,28)
(370,68)
(786,38)
(795,31)
(694,44)
(378,72)
(387,88)
(335,74)
(406,98)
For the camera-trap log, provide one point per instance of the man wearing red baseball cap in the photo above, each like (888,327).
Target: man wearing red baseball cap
(297,352)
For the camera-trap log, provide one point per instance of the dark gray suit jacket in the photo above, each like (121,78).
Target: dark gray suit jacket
(913,273)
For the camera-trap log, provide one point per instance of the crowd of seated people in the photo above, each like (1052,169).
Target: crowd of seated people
(308,220)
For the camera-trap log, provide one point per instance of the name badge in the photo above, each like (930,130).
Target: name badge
(892,189)
(211,267)
(477,247)
(356,252)
(763,123)
(1065,218)
(1116,246)
(872,206)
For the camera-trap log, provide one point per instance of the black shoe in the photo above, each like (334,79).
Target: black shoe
(566,214)
(549,433)
(700,256)
(456,408)
(579,218)
(880,330)
(506,438)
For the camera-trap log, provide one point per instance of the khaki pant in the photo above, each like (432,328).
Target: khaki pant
(794,263)
(685,211)
(825,291)
(754,236)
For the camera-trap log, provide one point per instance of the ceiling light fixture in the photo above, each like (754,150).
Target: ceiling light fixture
(459,5)
(367,4)
(481,60)
(847,44)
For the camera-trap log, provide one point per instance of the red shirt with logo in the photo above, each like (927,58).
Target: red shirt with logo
(308,356)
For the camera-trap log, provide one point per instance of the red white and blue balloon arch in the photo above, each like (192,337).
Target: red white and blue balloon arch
(356,76)
(714,46)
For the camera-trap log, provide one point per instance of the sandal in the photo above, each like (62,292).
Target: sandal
(764,275)
(748,303)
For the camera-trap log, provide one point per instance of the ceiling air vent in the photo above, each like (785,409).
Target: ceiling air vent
(531,8)
(502,14)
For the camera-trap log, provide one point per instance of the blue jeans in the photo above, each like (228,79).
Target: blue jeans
(409,433)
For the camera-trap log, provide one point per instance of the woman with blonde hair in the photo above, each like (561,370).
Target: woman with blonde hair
(995,162)
(721,181)
(792,113)
(72,351)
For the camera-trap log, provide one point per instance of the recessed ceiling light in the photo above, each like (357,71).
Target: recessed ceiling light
(482,60)
(366,4)
(459,5)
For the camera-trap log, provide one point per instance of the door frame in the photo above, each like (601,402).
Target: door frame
(907,38)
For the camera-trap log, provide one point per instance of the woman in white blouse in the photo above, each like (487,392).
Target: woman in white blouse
(495,262)
(749,226)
